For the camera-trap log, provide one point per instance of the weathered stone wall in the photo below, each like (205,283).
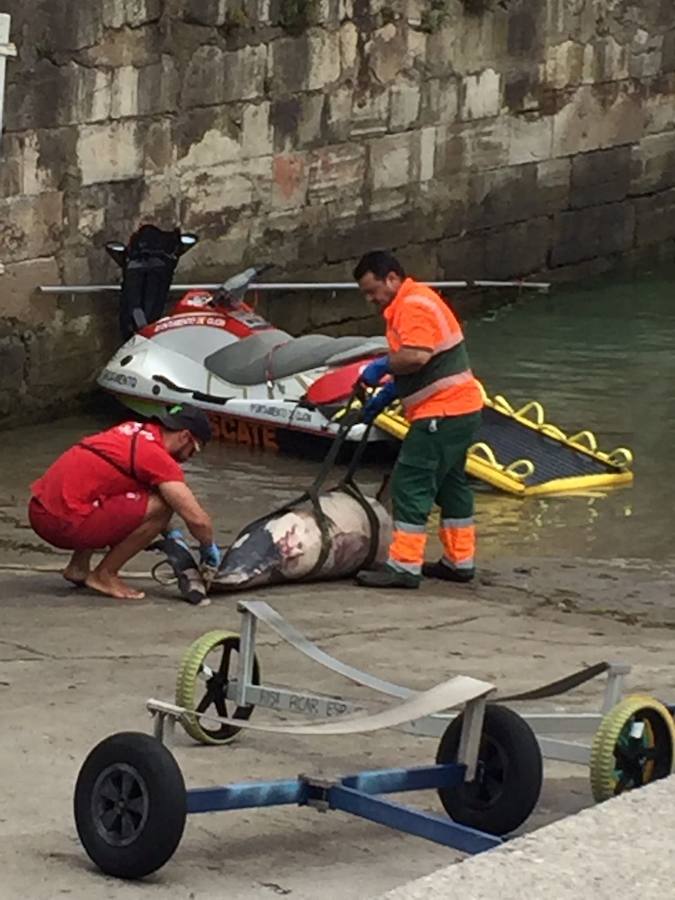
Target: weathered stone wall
(479,137)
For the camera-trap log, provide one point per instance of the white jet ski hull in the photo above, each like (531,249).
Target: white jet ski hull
(256,381)
(144,376)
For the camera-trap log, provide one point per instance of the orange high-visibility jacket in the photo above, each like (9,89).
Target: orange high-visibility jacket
(445,385)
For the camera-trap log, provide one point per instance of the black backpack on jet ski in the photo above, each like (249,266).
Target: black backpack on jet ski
(147,262)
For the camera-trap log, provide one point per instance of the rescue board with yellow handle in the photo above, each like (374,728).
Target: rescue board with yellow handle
(518,451)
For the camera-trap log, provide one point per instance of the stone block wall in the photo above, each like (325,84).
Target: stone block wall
(477,138)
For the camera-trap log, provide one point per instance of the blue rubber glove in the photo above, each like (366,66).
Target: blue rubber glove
(209,555)
(375,371)
(379,402)
(176,535)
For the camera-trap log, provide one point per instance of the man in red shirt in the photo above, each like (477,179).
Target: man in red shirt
(119,489)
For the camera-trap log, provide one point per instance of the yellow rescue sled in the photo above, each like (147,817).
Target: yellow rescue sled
(519,452)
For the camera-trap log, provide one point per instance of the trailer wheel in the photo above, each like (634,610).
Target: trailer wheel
(508,776)
(130,805)
(635,744)
(216,676)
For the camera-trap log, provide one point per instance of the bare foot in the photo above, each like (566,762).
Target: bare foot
(78,568)
(111,586)
(75,576)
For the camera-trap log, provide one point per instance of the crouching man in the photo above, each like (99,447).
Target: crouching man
(118,489)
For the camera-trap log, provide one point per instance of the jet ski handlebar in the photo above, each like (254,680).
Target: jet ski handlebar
(236,286)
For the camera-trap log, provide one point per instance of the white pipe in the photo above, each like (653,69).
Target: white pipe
(293,286)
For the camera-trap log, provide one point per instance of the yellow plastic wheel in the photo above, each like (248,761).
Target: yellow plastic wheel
(195,671)
(635,744)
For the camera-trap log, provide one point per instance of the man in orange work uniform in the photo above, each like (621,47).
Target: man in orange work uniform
(119,489)
(442,401)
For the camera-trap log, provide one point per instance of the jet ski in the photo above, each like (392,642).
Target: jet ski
(260,385)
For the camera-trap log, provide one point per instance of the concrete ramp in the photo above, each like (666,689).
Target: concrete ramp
(621,848)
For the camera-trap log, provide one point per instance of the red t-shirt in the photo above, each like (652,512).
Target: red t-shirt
(79,480)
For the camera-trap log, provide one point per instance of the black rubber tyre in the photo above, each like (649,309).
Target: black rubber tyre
(130,805)
(508,777)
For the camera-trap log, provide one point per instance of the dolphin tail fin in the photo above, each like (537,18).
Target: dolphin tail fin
(191,584)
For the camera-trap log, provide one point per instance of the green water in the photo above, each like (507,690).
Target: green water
(599,358)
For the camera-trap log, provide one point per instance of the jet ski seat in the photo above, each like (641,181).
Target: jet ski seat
(273,354)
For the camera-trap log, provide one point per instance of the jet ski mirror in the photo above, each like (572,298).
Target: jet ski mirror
(235,287)
(187,242)
(117,251)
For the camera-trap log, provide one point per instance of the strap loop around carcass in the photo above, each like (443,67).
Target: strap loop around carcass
(347,485)
(312,494)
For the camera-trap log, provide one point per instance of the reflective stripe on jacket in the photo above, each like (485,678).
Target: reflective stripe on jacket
(445,385)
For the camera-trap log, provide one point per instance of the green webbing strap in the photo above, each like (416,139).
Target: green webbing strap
(349,486)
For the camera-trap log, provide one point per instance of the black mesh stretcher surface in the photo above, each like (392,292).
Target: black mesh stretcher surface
(511,440)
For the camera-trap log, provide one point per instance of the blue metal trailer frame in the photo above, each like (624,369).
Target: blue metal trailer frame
(357,795)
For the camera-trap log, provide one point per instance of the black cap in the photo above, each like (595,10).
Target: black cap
(183,415)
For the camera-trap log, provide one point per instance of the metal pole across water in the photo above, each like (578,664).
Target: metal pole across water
(294,286)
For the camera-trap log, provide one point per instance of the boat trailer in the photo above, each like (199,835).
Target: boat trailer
(131,801)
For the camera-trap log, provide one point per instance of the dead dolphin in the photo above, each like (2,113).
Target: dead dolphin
(288,546)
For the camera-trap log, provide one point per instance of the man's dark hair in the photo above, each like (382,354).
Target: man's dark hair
(380,263)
